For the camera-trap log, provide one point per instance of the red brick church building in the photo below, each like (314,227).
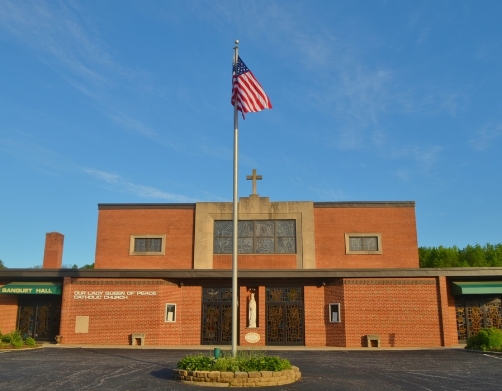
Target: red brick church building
(342,274)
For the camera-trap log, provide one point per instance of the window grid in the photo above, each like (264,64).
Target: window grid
(147,245)
(363,243)
(256,237)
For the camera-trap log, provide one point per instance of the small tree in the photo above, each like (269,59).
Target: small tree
(2,266)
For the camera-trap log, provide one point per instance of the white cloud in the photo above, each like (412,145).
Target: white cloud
(119,184)
(485,136)
(131,123)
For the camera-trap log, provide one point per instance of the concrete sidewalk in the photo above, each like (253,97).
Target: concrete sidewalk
(202,348)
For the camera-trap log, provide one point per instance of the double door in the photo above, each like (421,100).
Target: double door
(39,316)
(216,316)
(285,316)
(476,313)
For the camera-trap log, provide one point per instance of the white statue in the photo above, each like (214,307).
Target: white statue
(252,312)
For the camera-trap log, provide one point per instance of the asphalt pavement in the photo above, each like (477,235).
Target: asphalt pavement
(347,370)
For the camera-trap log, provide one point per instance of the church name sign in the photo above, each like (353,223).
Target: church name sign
(110,295)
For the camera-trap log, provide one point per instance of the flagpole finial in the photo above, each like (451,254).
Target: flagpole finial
(236,41)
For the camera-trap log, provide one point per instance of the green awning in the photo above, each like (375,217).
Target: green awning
(32,288)
(476,287)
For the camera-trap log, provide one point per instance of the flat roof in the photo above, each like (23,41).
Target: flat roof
(459,273)
(334,204)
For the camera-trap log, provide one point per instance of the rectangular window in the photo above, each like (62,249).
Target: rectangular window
(170,313)
(334,312)
(363,243)
(256,237)
(147,244)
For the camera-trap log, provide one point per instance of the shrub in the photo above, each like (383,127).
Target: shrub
(245,361)
(13,338)
(30,342)
(196,362)
(486,339)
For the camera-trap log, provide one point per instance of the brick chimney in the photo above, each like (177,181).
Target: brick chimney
(53,254)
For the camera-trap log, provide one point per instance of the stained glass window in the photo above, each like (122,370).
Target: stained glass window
(256,237)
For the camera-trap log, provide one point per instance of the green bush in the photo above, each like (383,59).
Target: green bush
(486,339)
(244,361)
(30,342)
(196,362)
(13,338)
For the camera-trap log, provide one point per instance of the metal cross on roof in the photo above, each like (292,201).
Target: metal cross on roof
(254,178)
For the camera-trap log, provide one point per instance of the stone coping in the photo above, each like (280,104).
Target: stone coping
(238,379)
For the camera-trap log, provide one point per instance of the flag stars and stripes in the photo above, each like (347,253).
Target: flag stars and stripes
(247,91)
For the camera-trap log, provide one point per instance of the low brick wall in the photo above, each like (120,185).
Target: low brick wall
(238,379)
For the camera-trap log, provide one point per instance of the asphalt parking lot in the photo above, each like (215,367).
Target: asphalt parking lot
(145,369)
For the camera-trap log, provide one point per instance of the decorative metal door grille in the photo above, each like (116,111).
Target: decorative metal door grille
(216,316)
(39,318)
(472,316)
(285,316)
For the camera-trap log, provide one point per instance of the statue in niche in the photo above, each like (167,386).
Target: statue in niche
(252,311)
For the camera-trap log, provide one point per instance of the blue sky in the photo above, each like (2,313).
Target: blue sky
(129,102)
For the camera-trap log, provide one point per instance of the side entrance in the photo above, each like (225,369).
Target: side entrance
(475,313)
(285,321)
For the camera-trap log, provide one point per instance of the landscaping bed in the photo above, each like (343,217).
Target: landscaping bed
(246,369)
(14,340)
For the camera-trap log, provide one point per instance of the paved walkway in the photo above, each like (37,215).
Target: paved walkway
(204,348)
(63,368)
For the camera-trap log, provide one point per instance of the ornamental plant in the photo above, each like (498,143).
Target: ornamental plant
(244,361)
(15,340)
(486,339)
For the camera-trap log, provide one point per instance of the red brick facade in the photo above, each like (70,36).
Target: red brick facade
(116,226)
(397,225)
(8,312)
(381,293)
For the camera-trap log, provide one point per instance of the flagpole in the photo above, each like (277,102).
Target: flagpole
(235,218)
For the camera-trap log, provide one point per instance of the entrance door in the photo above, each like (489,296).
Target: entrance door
(216,316)
(39,316)
(475,314)
(285,316)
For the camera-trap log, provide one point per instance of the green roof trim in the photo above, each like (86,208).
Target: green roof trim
(31,288)
(476,287)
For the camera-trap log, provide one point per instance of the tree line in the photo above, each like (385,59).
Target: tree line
(489,255)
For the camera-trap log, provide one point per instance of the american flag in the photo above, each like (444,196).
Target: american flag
(247,91)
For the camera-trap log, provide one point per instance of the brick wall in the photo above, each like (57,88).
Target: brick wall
(8,312)
(112,321)
(397,225)
(447,313)
(404,312)
(315,316)
(115,227)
